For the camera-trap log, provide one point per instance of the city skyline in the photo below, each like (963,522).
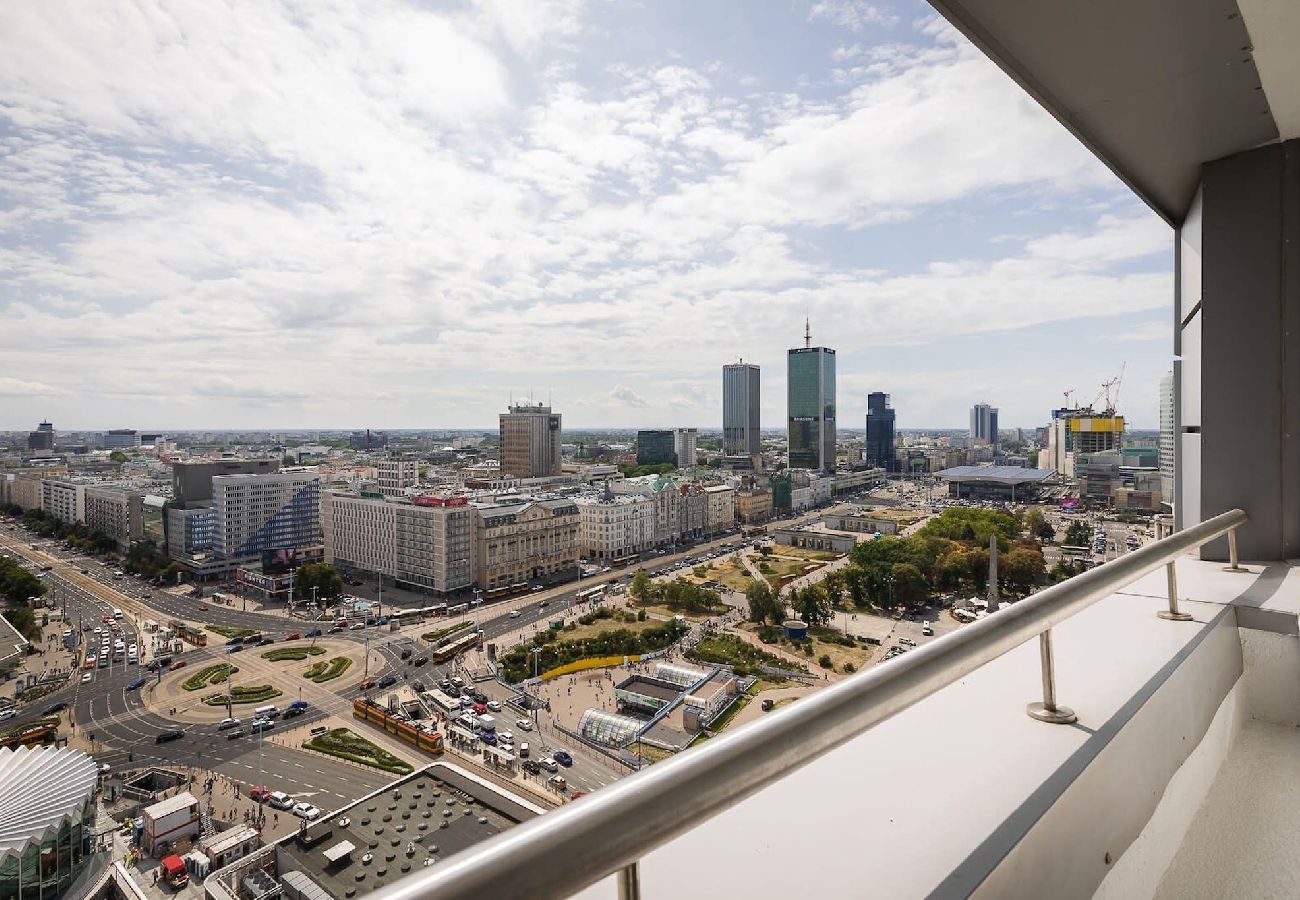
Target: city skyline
(596,201)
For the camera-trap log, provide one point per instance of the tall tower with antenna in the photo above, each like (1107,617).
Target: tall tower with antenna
(810,405)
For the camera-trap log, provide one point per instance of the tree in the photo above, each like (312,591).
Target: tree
(765,550)
(117,456)
(1079,534)
(856,583)
(642,586)
(322,576)
(1022,568)
(833,584)
(17,584)
(764,605)
(811,605)
(909,585)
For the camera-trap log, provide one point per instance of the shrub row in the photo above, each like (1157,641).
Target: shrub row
(295,654)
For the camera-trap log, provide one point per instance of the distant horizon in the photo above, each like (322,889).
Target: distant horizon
(493,428)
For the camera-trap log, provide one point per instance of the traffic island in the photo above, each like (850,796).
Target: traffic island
(347,744)
(239,695)
(213,675)
(293,654)
(321,672)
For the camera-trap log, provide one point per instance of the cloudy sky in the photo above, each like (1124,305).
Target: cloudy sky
(400,214)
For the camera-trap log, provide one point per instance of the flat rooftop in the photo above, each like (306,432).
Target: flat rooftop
(650,687)
(416,822)
(999,474)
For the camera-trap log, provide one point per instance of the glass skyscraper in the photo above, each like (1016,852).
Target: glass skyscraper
(880,432)
(810,403)
(740,410)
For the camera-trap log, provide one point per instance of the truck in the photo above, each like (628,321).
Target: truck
(172,872)
(486,723)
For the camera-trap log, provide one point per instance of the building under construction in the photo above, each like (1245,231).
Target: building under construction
(1075,431)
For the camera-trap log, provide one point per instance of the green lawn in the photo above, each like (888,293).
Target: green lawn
(216,674)
(347,744)
(228,632)
(241,695)
(321,672)
(433,637)
(295,654)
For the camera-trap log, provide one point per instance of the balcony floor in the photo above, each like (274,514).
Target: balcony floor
(1242,842)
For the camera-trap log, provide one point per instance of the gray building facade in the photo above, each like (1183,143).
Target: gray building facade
(879,448)
(740,410)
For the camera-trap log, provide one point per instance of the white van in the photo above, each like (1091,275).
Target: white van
(926,629)
(117,614)
(267,712)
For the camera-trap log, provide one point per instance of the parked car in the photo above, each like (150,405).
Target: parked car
(259,794)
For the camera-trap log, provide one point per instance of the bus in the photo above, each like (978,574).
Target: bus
(591,595)
(460,644)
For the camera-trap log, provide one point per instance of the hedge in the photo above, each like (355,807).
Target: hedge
(322,672)
(435,636)
(228,632)
(346,744)
(296,654)
(216,674)
(255,694)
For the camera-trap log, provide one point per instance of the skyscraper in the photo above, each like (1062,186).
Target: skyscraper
(810,402)
(984,423)
(684,440)
(42,438)
(1167,436)
(530,442)
(655,447)
(740,410)
(880,432)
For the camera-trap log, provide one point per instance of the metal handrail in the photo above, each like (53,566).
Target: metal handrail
(608,832)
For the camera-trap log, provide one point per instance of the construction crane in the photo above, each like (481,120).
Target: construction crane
(1068,395)
(1107,385)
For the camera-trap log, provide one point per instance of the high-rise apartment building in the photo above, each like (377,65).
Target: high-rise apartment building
(265,512)
(1167,438)
(396,475)
(879,449)
(740,410)
(425,542)
(117,512)
(654,447)
(42,438)
(810,402)
(530,442)
(684,447)
(984,423)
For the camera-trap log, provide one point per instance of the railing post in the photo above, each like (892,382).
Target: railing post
(1232,555)
(1048,710)
(1172,612)
(629,882)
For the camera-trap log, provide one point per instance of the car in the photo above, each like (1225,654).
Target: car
(7,714)
(235,733)
(558,782)
(548,764)
(418,686)
(357,626)
(225,724)
(293,636)
(368,684)
(446,685)
(179,664)
(543,604)
(85,679)
(479,696)
(315,632)
(523,725)
(488,738)
(281,800)
(291,712)
(562,757)
(306,811)
(234,648)
(85,571)
(406,653)
(163,737)
(259,794)
(266,642)
(237,639)
(136,685)
(420,661)
(388,681)
(300,704)
(480,708)
(531,767)
(506,736)
(54,708)
(494,705)
(337,629)
(457,681)
(263,726)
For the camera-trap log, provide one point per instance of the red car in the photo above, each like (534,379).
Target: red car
(367,684)
(480,708)
(293,636)
(260,794)
(179,664)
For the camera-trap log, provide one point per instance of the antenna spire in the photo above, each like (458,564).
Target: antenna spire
(807,333)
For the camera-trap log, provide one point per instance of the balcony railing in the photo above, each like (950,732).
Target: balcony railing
(608,832)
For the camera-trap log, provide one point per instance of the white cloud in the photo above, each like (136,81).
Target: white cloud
(855,15)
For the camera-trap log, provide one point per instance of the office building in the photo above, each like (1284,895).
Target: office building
(526,542)
(740,410)
(1168,427)
(878,450)
(810,402)
(684,447)
(720,508)
(121,439)
(265,512)
(396,475)
(64,499)
(117,512)
(655,447)
(681,506)
(423,543)
(192,480)
(189,529)
(616,527)
(530,442)
(984,423)
(42,438)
